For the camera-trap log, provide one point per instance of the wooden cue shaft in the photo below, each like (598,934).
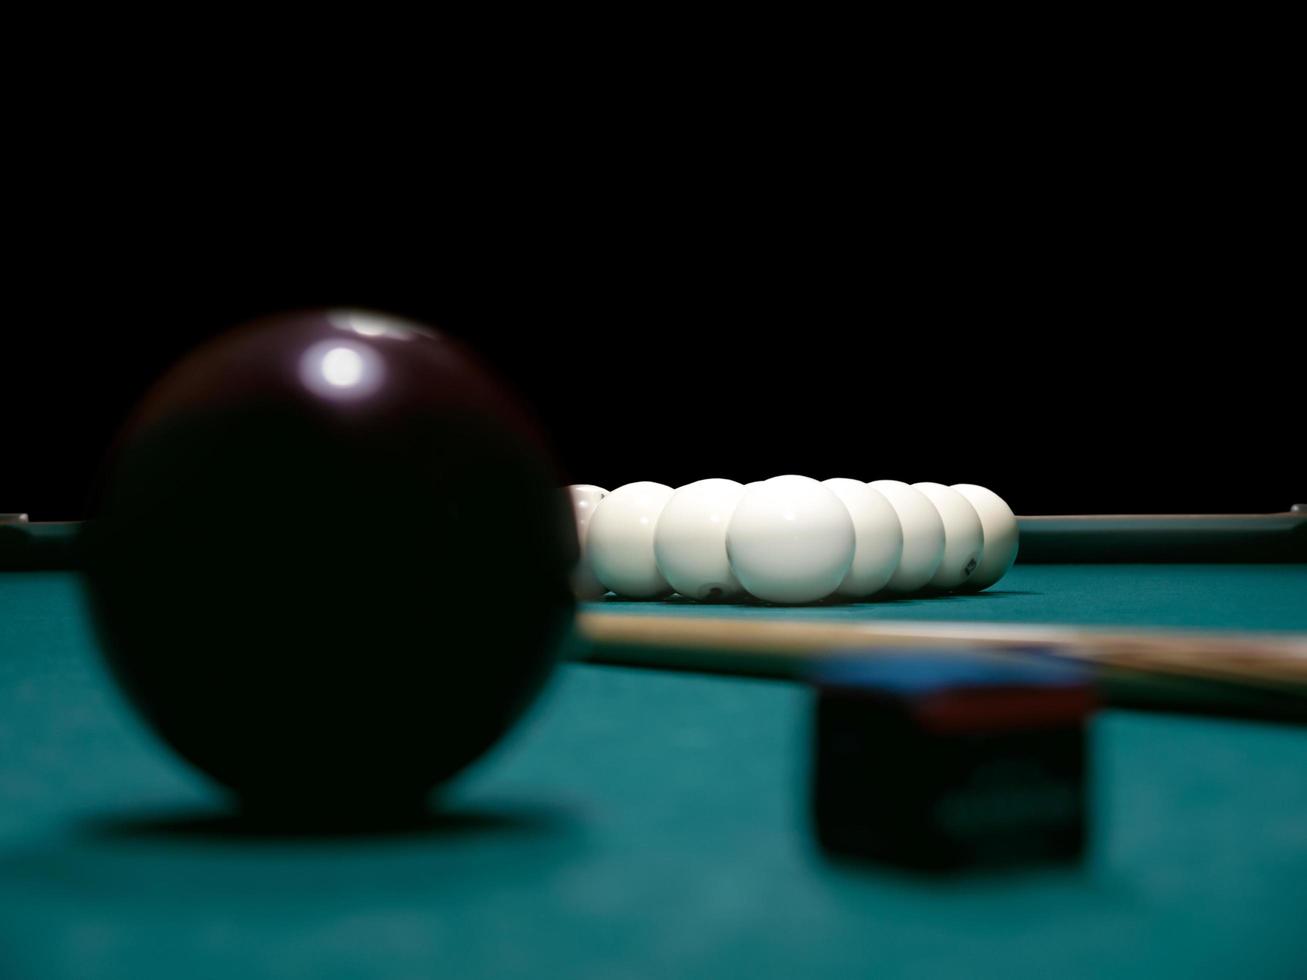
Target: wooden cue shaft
(787,648)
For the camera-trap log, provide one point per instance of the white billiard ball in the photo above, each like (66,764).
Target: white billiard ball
(690,540)
(878,537)
(585,498)
(964,536)
(1001,535)
(620,542)
(790,540)
(923,536)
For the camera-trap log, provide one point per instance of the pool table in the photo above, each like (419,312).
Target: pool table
(653,823)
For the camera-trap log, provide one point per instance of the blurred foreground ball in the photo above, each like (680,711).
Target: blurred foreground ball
(298,555)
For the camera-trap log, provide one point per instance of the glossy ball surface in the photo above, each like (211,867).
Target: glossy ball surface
(790,540)
(878,536)
(621,540)
(294,560)
(690,540)
(1001,535)
(584,498)
(964,536)
(923,536)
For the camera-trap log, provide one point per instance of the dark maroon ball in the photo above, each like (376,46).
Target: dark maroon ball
(329,560)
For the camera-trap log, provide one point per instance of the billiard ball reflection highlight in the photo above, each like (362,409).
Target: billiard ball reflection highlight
(342,369)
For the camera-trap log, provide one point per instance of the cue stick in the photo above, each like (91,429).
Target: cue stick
(1230,673)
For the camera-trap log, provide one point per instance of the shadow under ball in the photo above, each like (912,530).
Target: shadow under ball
(329,562)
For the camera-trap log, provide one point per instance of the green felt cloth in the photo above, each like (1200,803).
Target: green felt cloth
(1212,596)
(638,824)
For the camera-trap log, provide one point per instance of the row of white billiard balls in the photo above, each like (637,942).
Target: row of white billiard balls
(790,539)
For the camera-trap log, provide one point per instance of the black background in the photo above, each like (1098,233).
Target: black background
(1083,327)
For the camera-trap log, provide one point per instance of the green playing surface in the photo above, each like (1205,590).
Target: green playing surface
(649,824)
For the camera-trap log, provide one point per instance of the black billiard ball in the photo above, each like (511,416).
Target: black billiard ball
(329,562)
